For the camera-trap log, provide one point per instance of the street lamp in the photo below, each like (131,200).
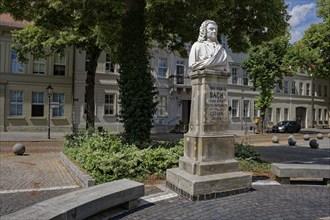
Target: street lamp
(49,90)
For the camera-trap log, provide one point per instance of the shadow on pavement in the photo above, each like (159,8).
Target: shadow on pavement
(295,154)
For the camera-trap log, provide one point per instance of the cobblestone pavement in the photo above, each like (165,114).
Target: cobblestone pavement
(264,202)
(39,175)
(36,176)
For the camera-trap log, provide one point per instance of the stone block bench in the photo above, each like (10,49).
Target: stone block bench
(84,203)
(284,172)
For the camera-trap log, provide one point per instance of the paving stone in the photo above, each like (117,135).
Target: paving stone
(264,202)
(283,202)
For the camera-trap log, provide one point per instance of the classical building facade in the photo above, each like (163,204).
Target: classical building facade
(24,102)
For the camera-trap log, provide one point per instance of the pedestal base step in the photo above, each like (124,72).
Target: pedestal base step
(197,188)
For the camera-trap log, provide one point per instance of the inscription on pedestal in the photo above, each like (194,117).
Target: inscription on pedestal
(216,103)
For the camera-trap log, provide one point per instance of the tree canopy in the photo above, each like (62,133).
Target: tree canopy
(96,25)
(312,52)
(266,67)
(245,23)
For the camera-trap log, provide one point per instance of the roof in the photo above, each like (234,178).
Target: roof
(8,21)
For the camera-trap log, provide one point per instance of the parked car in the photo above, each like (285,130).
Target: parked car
(287,126)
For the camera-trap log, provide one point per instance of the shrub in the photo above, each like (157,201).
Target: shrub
(246,152)
(249,160)
(106,157)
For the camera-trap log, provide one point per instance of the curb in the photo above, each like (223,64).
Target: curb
(83,179)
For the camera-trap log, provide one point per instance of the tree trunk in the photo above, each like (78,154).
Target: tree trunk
(135,81)
(94,54)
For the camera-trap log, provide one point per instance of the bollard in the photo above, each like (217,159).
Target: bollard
(18,149)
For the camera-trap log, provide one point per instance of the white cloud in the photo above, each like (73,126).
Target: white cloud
(295,36)
(300,13)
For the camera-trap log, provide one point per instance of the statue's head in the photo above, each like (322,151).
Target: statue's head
(203,30)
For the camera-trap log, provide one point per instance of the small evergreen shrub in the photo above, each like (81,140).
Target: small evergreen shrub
(246,152)
(250,161)
(106,157)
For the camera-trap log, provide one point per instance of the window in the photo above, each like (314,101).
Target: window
(269,114)
(109,66)
(234,108)
(16,66)
(37,104)
(320,114)
(246,108)
(286,87)
(39,66)
(325,91)
(162,106)
(286,114)
(109,104)
(16,103)
(319,92)
(301,88)
(162,67)
(234,76)
(180,72)
(245,79)
(58,110)
(293,88)
(59,65)
(278,114)
(308,89)
(326,115)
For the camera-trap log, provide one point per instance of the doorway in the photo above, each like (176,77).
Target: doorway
(186,105)
(301,116)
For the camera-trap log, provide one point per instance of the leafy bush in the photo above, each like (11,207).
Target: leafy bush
(246,152)
(106,157)
(250,161)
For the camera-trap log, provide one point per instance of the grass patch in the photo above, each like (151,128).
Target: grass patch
(256,168)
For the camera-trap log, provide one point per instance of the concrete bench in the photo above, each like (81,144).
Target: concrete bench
(84,203)
(284,172)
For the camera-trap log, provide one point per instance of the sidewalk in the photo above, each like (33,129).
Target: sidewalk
(31,136)
(42,136)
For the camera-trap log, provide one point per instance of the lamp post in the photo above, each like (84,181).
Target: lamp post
(49,90)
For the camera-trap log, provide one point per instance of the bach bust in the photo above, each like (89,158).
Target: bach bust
(207,52)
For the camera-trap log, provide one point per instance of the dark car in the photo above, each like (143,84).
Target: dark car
(287,126)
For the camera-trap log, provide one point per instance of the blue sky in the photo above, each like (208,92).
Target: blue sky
(303,13)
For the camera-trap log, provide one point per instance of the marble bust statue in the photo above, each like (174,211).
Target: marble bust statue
(207,52)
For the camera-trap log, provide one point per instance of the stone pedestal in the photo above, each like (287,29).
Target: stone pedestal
(208,168)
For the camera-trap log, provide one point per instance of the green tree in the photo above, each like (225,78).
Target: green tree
(178,25)
(136,85)
(266,67)
(102,24)
(312,52)
(245,23)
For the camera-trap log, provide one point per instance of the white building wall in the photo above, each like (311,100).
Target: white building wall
(179,94)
